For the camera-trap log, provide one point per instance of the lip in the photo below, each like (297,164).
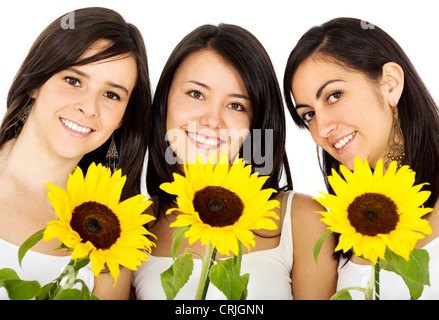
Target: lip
(75,128)
(204,141)
(341,144)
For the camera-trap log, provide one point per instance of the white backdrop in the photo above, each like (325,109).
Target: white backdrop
(278,24)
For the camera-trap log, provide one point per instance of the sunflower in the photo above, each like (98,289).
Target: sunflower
(372,211)
(93,222)
(221,203)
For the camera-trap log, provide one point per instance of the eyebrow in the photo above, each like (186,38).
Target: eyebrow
(233,95)
(319,92)
(85,75)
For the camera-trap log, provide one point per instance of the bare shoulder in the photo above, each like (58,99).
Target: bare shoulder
(305,216)
(304,206)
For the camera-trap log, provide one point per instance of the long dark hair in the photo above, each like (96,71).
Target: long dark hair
(246,54)
(357,46)
(59,48)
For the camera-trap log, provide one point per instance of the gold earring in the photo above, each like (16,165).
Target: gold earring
(395,149)
(21,119)
(112,156)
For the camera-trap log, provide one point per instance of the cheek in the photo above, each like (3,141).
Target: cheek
(179,115)
(317,139)
(113,120)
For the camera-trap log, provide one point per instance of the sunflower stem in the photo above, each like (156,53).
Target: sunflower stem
(370,285)
(209,258)
(66,271)
(377,280)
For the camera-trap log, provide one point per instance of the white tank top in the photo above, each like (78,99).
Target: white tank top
(392,287)
(270,272)
(38,266)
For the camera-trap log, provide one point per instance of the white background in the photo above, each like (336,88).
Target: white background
(278,24)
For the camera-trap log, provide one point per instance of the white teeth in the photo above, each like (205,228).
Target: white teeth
(75,127)
(343,141)
(204,140)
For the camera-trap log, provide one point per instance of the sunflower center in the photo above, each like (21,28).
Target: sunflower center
(96,223)
(218,206)
(373,213)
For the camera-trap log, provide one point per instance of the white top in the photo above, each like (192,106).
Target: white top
(392,287)
(38,266)
(270,272)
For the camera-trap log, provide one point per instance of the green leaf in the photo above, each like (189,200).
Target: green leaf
(68,294)
(16,288)
(318,245)
(85,294)
(414,272)
(174,278)
(177,237)
(342,295)
(75,294)
(44,294)
(78,263)
(6,274)
(29,243)
(225,276)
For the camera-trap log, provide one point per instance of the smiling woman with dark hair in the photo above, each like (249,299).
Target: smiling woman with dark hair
(218,91)
(82,95)
(358,94)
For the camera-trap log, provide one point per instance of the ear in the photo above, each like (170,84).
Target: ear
(392,82)
(34,93)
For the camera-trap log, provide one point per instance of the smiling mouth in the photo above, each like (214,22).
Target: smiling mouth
(75,127)
(340,144)
(211,142)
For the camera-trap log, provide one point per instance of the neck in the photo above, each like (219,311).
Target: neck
(31,166)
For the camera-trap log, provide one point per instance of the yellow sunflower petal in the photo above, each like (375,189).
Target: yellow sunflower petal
(60,202)
(119,235)
(81,250)
(393,192)
(239,182)
(97,261)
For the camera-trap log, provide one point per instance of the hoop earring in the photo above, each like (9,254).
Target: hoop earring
(112,156)
(395,150)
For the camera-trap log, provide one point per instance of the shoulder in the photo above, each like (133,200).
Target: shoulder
(304,204)
(305,213)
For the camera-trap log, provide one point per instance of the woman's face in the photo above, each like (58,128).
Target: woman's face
(346,113)
(209,110)
(77,109)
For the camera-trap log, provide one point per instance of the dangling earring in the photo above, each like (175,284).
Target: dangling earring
(395,150)
(112,155)
(21,119)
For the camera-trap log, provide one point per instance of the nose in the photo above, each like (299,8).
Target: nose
(87,105)
(212,116)
(326,123)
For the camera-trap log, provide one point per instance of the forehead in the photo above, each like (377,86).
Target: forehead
(315,71)
(197,61)
(211,69)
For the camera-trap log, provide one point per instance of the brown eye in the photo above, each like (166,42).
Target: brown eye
(334,97)
(236,106)
(112,95)
(307,116)
(72,81)
(196,94)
